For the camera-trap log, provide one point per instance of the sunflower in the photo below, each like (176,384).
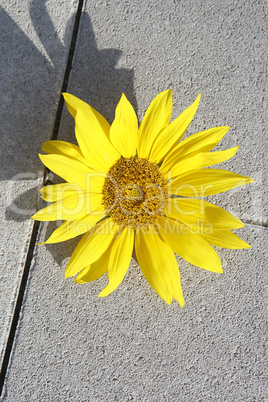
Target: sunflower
(134,187)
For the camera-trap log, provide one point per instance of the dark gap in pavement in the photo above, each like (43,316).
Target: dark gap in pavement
(257,223)
(65,80)
(46,180)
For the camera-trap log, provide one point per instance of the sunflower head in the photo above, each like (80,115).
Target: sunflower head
(129,186)
(135,192)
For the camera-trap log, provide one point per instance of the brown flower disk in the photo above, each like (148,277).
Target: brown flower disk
(135,192)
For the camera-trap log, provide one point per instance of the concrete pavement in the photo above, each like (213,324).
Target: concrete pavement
(34,50)
(70,345)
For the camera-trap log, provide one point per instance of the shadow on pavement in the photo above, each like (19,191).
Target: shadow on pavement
(25,112)
(95,77)
(97,81)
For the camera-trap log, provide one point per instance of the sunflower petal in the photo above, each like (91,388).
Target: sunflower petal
(119,260)
(198,161)
(70,229)
(203,182)
(65,149)
(173,133)
(201,214)
(188,245)
(95,270)
(69,169)
(94,144)
(92,132)
(91,246)
(124,129)
(159,266)
(70,208)
(203,141)
(225,239)
(96,119)
(155,119)
(56,192)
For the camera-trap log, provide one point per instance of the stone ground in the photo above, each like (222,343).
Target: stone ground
(58,341)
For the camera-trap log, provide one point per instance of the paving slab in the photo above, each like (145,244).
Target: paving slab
(72,346)
(34,48)
(218,48)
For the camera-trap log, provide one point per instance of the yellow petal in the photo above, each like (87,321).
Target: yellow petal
(201,214)
(203,182)
(155,119)
(204,141)
(70,229)
(65,149)
(94,144)
(91,130)
(225,239)
(159,266)
(56,192)
(95,270)
(199,161)
(173,133)
(124,129)
(91,246)
(188,245)
(70,208)
(119,260)
(69,169)
(96,119)
(95,182)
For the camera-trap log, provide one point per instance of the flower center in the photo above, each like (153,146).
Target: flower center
(135,192)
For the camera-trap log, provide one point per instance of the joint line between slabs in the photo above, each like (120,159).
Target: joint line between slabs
(18,305)
(65,81)
(36,225)
(257,223)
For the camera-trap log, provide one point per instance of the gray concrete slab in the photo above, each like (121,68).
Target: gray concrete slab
(131,346)
(34,47)
(218,48)
(72,346)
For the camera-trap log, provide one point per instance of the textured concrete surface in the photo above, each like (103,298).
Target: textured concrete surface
(217,48)
(31,80)
(70,345)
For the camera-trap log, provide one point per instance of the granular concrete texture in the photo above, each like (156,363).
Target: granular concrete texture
(30,89)
(69,344)
(72,346)
(218,48)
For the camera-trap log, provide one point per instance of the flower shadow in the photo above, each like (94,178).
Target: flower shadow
(95,78)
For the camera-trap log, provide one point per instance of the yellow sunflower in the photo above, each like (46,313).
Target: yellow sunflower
(130,186)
